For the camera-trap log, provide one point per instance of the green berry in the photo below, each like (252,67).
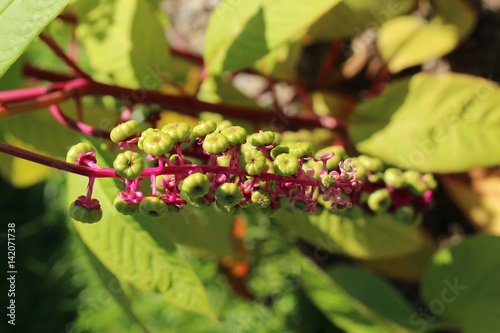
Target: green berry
(231,210)
(380,200)
(262,138)
(196,185)
(126,208)
(261,199)
(375,177)
(413,180)
(124,131)
(153,207)
(229,194)
(215,143)
(280,149)
(286,164)
(328,180)
(204,128)
(76,150)
(394,177)
(299,149)
(84,214)
(145,134)
(429,179)
(128,164)
(179,131)
(253,161)
(235,135)
(157,143)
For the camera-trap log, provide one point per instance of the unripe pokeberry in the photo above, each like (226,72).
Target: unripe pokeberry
(124,131)
(179,131)
(204,128)
(145,134)
(253,161)
(128,164)
(84,214)
(279,150)
(371,164)
(196,185)
(413,180)
(299,149)
(286,164)
(157,143)
(380,200)
(78,149)
(394,177)
(215,143)
(223,125)
(153,207)
(126,208)
(232,210)
(235,135)
(262,138)
(261,199)
(229,194)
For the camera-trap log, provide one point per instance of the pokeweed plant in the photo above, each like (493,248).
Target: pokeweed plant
(316,123)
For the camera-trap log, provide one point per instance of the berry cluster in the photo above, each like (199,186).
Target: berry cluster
(405,194)
(239,170)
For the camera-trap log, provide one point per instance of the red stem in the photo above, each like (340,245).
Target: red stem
(82,127)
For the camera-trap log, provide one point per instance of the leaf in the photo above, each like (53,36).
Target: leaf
(408,267)
(354,233)
(477,196)
(216,90)
(21,21)
(240,33)
(112,285)
(136,250)
(406,41)
(461,284)
(124,42)
(352,17)
(355,300)
(431,123)
(281,62)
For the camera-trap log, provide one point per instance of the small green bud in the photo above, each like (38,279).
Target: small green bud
(84,214)
(280,149)
(299,149)
(153,207)
(262,138)
(261,199)
(128,164)
(253,161)
(76,150)
(124,131)
(229,194)
(196,185)
(380,200)
(178,131)
(204,128)
(413,180)
(394,177)
(215,143)
(235,135)
(126,208)
(286,164)
(157,143)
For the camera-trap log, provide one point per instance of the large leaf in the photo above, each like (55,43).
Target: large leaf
(239,33)
(431,123)
(352,17)
(407,41)
(477,196)
(355,233)
(124,41)
(137,251)
(354,300)
(462,286)
(20,23)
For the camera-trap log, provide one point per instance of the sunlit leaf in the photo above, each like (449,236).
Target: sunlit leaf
(239,33)
(461,286)
(431,123)
(124,41)
(407,41)
(21,21)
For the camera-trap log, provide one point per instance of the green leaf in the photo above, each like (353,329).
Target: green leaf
(431,123)
(21,21)
(136,250)
(355,300)
(112,285)
(461,285)
(216,90)
(355,233)
(124,41)
(352,17)
(240,33)
(406,41)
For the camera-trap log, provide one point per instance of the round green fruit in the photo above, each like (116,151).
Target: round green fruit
(157,143)
(229,194)
(76,150)
(126,208)
(286,164)
(124,131)
(204,128)
(178,131)
(128,164)
(196,185)
(215,143)
(235,135)
(84,214)
(153,207)
(253,161)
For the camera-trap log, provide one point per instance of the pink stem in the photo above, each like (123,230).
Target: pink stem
(82,127)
